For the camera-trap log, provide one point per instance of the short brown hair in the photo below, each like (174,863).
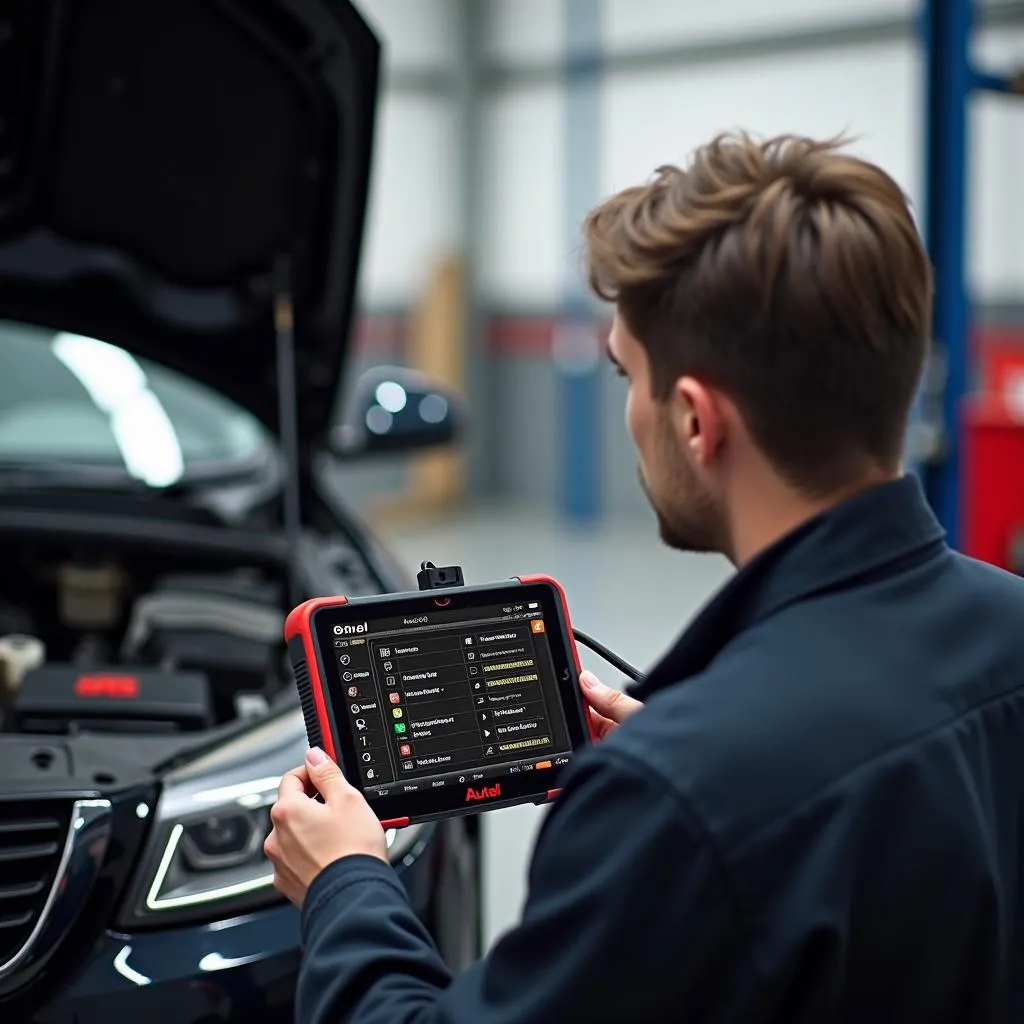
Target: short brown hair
(788,274)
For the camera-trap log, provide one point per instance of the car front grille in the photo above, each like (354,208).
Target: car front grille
(32,838)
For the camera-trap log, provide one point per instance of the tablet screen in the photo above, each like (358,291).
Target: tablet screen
(449,698)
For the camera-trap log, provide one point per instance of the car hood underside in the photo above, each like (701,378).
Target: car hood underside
(169,169)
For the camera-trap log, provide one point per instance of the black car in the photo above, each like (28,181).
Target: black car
(182,192)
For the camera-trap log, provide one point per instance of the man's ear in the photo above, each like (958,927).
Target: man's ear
(700,422)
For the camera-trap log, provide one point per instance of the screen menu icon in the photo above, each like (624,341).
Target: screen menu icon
(366,722)
(430,702)
(464,695)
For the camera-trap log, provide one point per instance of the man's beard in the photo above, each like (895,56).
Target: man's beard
(690,520)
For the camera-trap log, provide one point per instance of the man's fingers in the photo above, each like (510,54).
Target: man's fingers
(294,783)
(272,846)
(325,775)
(285,881)
(612,704)
(601,725)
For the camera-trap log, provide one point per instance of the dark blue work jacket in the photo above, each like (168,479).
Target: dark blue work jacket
(817,817)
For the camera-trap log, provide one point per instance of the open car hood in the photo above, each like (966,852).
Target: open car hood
(159,158)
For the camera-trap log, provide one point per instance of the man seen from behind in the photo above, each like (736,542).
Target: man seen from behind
(810,810)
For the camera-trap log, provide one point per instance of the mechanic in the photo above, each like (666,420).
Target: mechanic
(811,808)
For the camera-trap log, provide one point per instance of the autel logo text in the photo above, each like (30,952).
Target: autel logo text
(483,793)
(348,630)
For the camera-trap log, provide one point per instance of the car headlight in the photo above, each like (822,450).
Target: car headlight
(204,858)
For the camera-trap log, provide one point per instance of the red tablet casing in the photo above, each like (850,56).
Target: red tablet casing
(572,643)
(302,651)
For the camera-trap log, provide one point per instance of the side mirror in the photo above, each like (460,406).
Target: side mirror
(396,410)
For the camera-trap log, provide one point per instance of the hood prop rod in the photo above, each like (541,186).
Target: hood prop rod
(288,419)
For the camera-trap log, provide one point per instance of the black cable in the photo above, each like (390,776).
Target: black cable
(430,577)
(610,656)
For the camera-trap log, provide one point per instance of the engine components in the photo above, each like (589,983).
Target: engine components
(64,699)
(230,627)
(86,615)
(19,654)
(90,596)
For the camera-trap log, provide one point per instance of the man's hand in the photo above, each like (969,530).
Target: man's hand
(308,835)
(608,708)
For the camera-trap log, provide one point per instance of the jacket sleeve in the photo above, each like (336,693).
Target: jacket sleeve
(628,918)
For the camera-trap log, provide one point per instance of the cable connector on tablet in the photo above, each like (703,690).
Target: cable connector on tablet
(431,577)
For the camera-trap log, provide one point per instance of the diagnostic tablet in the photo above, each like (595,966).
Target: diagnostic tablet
(443,702)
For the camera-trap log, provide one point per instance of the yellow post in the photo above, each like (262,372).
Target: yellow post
(436,348)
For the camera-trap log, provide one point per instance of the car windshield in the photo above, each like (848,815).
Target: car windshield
(67,400)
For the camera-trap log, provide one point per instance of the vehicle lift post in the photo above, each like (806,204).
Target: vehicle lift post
(950,81)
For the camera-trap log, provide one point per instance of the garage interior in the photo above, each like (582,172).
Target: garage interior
(499,124)
(517,116)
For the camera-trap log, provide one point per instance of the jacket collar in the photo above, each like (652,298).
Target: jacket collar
(863,534)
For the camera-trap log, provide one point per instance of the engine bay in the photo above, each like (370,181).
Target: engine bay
(101,641)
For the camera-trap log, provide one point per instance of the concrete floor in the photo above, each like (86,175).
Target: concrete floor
(623,587)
